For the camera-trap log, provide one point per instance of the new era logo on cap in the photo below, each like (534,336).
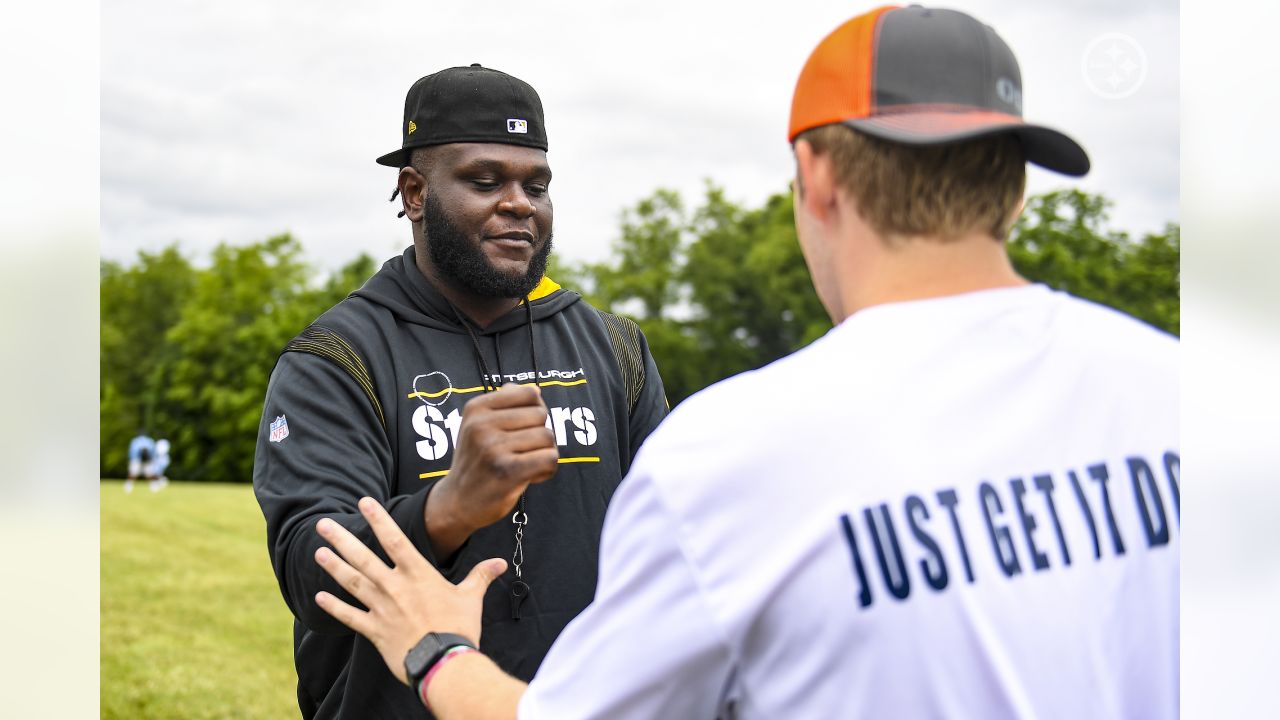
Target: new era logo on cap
(517,126)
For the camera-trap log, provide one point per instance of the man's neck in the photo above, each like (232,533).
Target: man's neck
(922,268)
(480,309)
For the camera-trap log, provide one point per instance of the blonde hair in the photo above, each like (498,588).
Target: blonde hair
(940,190)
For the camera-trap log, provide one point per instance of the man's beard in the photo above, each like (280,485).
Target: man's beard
(463,263)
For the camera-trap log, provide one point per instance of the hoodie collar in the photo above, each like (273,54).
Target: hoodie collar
(546,286)
(401,287)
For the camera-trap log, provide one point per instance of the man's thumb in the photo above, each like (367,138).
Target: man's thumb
(483,574)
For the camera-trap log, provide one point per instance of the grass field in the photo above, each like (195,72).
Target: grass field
(193,625)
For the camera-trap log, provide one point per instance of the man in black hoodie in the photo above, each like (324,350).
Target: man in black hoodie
(370,400)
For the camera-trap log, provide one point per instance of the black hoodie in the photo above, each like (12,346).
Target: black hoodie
(367,401)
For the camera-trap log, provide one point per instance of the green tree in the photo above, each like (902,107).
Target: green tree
(138,305)
(1062,240)
(752,298)
(244,308)
(346,280)
(647,256)
(723,289)
(186,351)
(716,291)
(642,281)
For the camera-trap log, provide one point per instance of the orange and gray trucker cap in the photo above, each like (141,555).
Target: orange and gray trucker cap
(922,76)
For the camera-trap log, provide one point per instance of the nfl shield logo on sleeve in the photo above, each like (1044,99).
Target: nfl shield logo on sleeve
(279,429)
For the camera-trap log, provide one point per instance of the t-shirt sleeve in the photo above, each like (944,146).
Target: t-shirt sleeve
(321,447)
(648,646)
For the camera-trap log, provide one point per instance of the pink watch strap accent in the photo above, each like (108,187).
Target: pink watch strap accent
(450,653)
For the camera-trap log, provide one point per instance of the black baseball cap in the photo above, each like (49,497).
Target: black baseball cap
(922,76)
(469,104)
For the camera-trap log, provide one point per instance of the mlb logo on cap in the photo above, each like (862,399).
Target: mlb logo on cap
(517,126)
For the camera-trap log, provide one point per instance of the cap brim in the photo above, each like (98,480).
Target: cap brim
(1046,147)
(396,159)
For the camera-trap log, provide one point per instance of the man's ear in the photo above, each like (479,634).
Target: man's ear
(412,189)
(817,182)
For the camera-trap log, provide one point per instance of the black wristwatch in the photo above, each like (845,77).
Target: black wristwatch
(428,652)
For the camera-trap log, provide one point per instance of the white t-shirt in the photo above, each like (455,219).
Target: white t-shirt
(932,511)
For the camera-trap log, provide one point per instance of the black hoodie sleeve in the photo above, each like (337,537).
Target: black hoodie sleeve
(336,452)
(651,406)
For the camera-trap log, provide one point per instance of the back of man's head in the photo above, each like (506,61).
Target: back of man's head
(942,191)
(920,111)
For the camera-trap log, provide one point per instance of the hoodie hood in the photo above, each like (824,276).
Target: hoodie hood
(401,288)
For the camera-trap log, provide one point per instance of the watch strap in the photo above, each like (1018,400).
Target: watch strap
(428,651)
(449,654)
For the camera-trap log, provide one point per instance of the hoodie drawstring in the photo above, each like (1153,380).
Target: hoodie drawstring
(481,366)
(533,349)
(519,518)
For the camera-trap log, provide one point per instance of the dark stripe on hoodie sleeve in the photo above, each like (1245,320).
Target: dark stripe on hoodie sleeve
(624,336)
(329,344)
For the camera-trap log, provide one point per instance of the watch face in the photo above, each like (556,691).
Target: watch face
(416,662)
(428,650)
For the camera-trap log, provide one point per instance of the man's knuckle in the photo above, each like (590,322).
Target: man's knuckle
(471,435)
(486,443)
(355,584)
(547,464)
(502,466)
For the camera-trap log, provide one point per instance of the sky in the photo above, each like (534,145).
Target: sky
(235,121)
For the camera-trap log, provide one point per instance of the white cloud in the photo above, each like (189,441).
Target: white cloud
(236,120)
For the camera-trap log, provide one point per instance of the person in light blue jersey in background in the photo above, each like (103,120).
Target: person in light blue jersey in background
(142,454)
(161,465)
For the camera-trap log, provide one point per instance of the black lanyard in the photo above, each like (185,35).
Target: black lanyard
(519,589)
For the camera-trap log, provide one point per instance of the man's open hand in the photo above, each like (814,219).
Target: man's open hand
(405,602)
